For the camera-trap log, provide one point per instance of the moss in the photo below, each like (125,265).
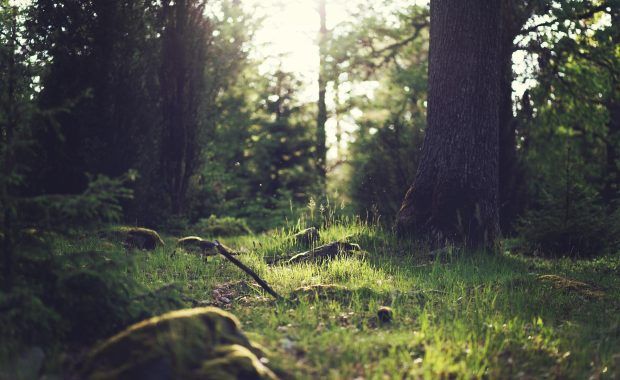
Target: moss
(233,362)
(174,345)
(307,237)
(385,314)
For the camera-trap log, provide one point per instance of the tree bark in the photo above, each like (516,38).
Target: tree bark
(454,197)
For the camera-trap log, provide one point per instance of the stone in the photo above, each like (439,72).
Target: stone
(385,314)
(196,244)
(307,237)
(198,343)
(137,237)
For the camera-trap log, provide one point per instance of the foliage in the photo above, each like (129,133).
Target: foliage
(568,143)
(225,226)
(576,225)
(113,69)
(385,153)
(259,164)
(69,298)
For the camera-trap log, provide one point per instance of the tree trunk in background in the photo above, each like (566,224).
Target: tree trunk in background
(321,149)
(612,142)
(513,19)
(182,85)
(454,197)
(7,134)
(612,171)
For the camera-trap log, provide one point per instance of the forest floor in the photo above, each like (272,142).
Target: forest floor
(454,316)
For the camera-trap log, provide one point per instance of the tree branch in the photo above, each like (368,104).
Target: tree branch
(224,252)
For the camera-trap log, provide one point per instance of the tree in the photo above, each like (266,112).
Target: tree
(321,119)
(185,39)
(454,197)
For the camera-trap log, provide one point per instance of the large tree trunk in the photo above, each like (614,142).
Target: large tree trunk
(454,197)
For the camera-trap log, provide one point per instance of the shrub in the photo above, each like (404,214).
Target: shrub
(579,227)
(92,305)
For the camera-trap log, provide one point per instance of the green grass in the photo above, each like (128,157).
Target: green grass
(465,316)
(460,316)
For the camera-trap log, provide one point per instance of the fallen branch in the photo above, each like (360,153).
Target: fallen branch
(224,252)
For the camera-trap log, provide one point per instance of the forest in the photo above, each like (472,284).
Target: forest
(309,189)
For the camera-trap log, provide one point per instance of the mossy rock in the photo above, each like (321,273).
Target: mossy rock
(307,237)
(199,343)
(326,252)
(196,244)
(136,237)
(385,314)
(232,362)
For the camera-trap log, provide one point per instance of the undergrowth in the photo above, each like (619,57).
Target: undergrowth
(455,316)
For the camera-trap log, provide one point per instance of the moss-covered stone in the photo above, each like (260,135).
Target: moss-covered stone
(232,362)
(385,314)
(307,237)
(185,344)
(197,245)
(136,237)
(326,252)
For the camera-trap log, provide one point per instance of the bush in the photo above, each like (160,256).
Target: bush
(24,318)
(72,298)
(226,226)
(92,306)
(583,229)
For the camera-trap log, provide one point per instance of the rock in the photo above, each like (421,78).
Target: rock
(307,237)
(325,252)
(385,314)
(233,362)
(137,237)
(199,343)
(198,245)
(225,226)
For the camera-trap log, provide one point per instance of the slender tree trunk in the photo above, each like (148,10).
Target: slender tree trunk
(321,149)
(511,24)
(612,172)
(182,86)
(8,167)
(454,197)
